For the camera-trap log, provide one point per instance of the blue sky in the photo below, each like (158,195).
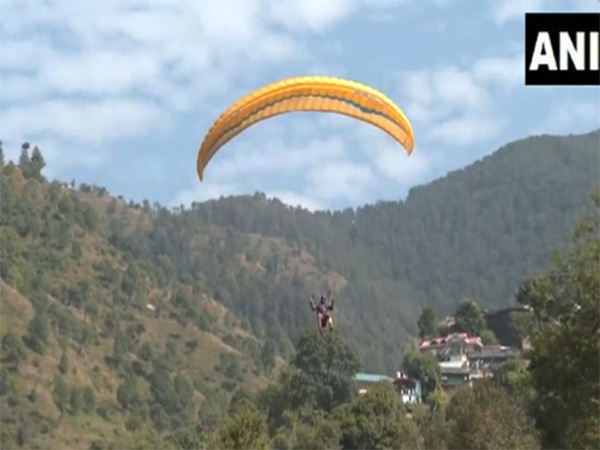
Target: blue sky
(120,93)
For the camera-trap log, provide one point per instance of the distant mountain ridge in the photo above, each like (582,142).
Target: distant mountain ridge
(476,232)
(229,282)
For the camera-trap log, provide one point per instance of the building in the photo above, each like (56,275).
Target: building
(453,377)
(366,380)
(464,359)
(451,345)
(409,388)
(491,356)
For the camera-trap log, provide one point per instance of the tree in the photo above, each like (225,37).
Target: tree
(76,250)
(424,367)
(184,394)
(76,400)
(36,163)
(188,437)
(39,331)
(7,382)
(486,417)
(430,418)
(321,433)
(89,399)
(24,161)
(60,394)
(488,337)
(514,377)
(13,350)
(63,365)
(130,281)
(245,429)
(90,218)
(267,356)
(242,399)
(129,395)
(377,420)
(427,323)
(143,438)
(120,349)
(147,352)
(326,366)
(469,318)
(565,358)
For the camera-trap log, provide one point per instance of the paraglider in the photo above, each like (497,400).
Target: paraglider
(310,93)
(324,309)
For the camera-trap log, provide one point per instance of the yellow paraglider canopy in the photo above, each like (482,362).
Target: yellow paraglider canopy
(311,93)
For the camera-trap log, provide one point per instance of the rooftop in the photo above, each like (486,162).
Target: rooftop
(495,351)
(371,378)
(440,341)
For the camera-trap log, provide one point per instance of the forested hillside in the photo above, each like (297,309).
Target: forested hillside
(478,233)
(97,342)
(157,316)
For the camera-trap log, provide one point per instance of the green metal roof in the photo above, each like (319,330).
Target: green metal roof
(371,378)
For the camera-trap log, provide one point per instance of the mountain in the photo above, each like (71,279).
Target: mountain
(88,331)
(118,302)
(477,232)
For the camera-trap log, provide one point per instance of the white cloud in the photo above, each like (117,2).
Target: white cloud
(388,158)
(274,156)
(64,56)
(451,88)
(582,116)
(91,73)
(502,71)
(340,180)
(467,130)
(80,121)
(349,163)
(396,165)
(457,88)
(61,157)
(504,11)
(456,105)
(315,15)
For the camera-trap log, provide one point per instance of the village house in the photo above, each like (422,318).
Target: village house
(464,359)
(366,380)
(408,388)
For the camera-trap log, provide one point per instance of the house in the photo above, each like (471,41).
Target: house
(453,377)
(409,388)
(464,359)
(451,345)
(492,356)
(366,380)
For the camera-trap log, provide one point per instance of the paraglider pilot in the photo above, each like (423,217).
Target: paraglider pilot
(323,309)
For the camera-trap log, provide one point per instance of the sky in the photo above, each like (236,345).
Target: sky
(121,93)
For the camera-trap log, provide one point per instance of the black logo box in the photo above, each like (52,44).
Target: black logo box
(554,23)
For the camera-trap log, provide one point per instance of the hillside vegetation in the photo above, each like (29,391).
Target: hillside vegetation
(88,329)
(477,233)
(117,316)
